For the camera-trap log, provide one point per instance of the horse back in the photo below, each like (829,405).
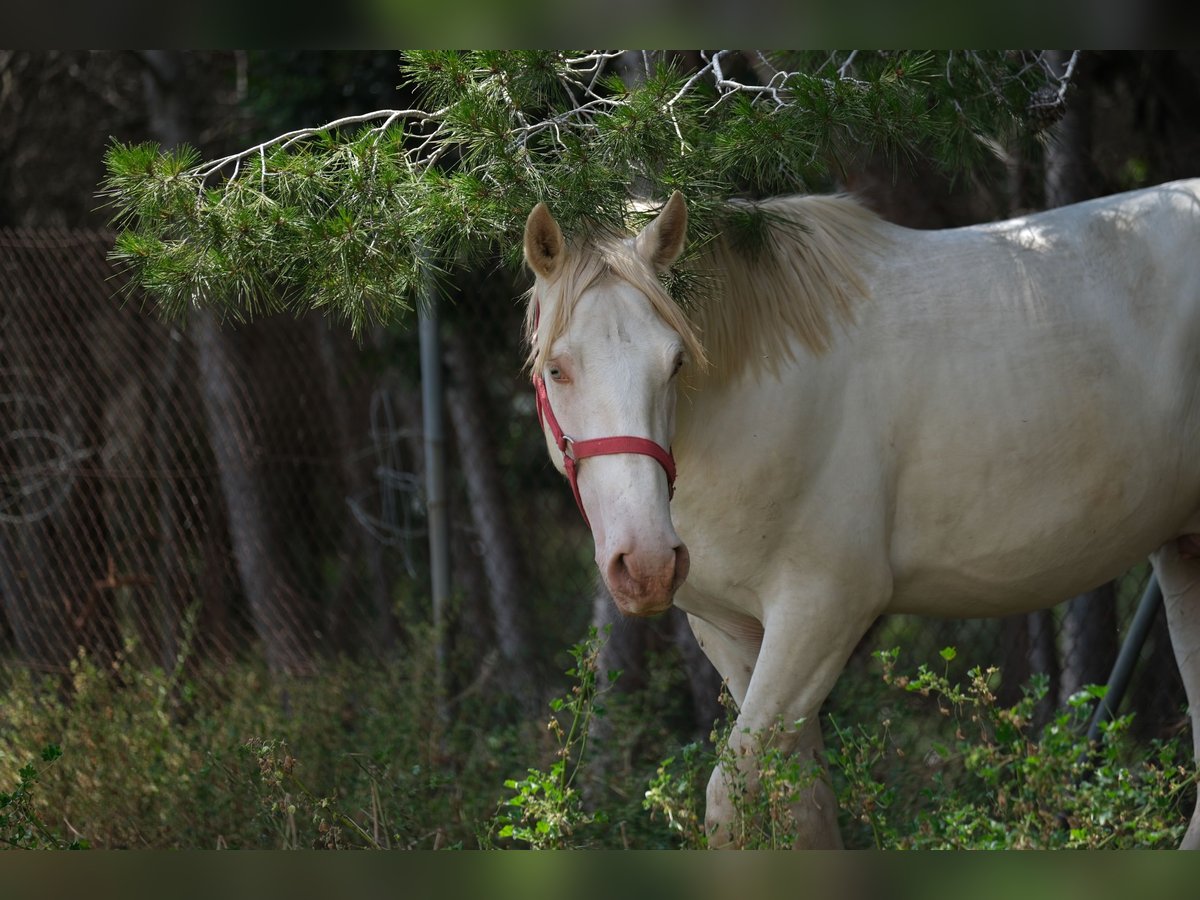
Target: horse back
(1036,382)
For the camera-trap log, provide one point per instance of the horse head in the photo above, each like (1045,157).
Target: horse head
(607,346)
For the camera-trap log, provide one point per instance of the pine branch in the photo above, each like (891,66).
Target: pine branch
(350,215)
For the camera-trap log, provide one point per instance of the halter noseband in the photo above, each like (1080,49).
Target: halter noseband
(573,451)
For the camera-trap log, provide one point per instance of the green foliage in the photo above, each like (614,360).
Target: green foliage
(225,756)
(200,758)
(360,218)
(21,825)
(948,766)
(763,795)
(677,792)
(216,756)
(991,779)
(547,811)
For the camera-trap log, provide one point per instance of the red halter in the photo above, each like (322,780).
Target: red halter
(573,451)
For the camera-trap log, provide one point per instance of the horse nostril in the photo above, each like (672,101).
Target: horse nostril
(618,571)
(646,581)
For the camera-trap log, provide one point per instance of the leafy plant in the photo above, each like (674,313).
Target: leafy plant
(948,766)
(763,796)
(997,781)
(547,810)
(21,824)
(677,792)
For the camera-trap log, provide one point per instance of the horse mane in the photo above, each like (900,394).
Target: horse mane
(802,282)
(754,305)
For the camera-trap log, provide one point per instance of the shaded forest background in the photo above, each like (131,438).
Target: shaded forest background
(255,492)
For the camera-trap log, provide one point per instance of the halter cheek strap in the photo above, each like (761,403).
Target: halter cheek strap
(573,451)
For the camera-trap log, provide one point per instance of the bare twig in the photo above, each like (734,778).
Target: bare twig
(1050,100)
(845,67)
(580,77)
(1065,80)
(286,139)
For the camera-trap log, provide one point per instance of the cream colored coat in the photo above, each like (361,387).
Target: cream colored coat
(971,422)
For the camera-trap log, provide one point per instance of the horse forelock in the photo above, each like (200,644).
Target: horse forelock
(803,283)
(551,303)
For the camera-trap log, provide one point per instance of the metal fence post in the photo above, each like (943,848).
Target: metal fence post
(1122,669)
(433,414)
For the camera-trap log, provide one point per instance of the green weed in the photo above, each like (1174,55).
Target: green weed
(547,810)
(985,777)
(207,756)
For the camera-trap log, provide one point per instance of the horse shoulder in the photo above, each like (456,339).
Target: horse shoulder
(787,491)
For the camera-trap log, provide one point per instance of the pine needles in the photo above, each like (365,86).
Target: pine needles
(359,216)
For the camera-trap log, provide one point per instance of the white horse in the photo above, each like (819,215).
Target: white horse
(869,419)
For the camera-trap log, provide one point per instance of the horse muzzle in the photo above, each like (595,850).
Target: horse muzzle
(644,583)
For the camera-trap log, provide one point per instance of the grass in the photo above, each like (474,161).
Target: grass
(224,756)
(215,756)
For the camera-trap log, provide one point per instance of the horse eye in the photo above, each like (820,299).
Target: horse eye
(555,373)
(678,365)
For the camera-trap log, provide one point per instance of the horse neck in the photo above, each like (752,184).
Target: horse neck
(796,296)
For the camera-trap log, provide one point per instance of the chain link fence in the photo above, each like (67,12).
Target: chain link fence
(264,480)
(255,492)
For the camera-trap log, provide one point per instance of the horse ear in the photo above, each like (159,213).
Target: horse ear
(544,245)
(661,242)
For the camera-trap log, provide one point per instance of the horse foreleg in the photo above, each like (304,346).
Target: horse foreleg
(811,819)
(798,664)
(1180,581)
(732,656)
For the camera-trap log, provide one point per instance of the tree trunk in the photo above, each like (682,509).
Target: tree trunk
(1089,627)
(1043,660)
(703,678)
(1088,640)
(356,543)
(490,514)
(169,566)
(54,535)
(1070,174)
(278,612)
(1015,659)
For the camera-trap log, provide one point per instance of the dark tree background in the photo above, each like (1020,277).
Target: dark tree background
(1130,119)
